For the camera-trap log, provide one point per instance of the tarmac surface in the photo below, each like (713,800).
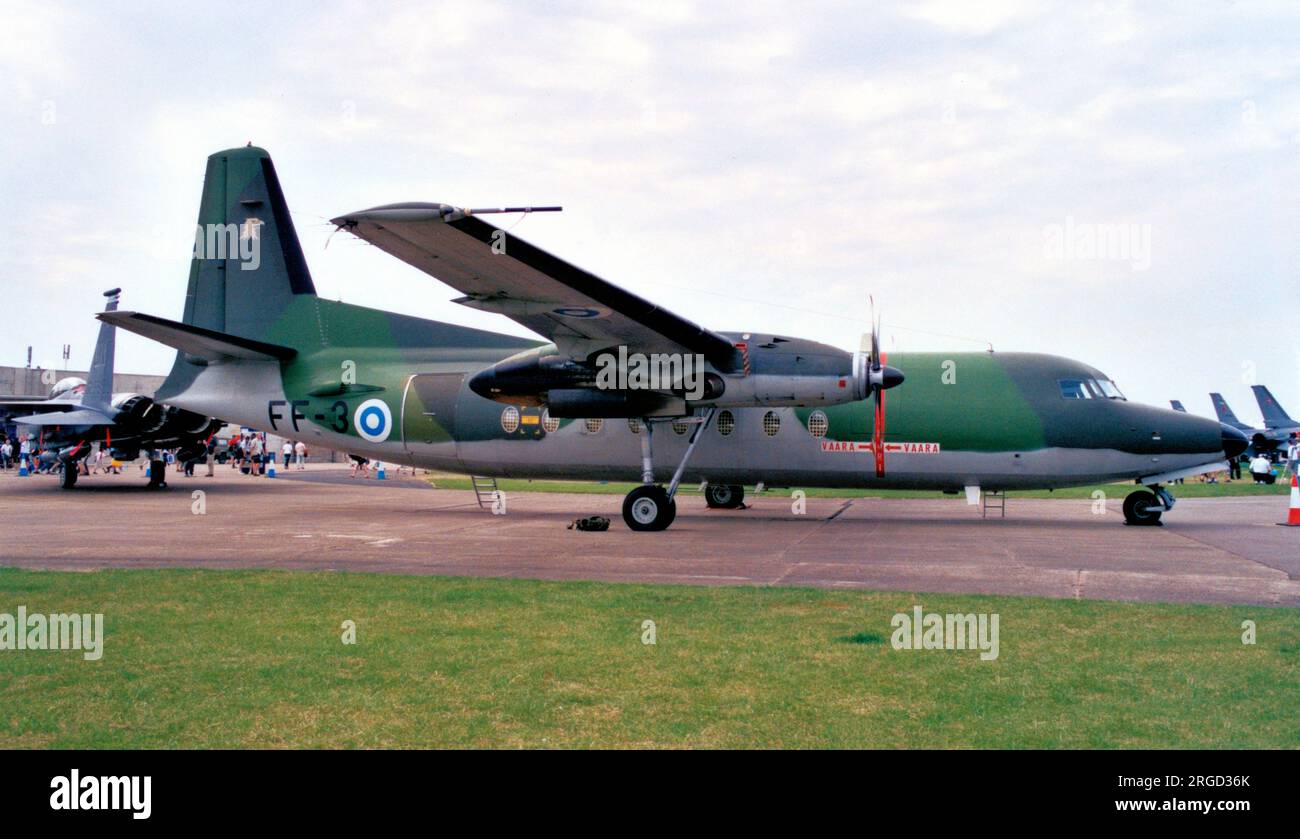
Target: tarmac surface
(1212,550)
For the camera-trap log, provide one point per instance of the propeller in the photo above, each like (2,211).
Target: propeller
(876,377)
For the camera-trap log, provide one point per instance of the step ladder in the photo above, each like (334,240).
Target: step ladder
(485,489)
(993,500)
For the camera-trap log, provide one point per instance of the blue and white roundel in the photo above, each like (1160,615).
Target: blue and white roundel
(373,420)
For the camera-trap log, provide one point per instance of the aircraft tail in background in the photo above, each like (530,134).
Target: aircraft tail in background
(1225,413)
(1274,416)
(99,382)
(1177,406)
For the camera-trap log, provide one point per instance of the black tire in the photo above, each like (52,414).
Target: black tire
(157,474)
(724,496)
(648,508)
(1142,508)
(68,475)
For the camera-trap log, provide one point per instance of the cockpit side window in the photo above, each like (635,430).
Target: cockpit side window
(1074,389)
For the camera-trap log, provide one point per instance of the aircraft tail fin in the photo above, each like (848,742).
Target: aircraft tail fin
(1274,416)
(247,265)
(1225,413)
(99,382)
(1177,406)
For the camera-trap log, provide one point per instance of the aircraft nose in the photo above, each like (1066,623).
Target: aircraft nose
(1234,442)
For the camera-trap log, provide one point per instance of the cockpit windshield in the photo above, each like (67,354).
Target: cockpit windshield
(1108,389)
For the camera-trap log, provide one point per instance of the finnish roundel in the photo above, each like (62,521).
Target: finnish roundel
(373,420)
(580,312)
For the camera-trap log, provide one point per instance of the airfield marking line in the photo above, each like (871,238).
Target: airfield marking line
(790,568)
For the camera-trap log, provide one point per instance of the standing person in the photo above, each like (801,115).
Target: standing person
(6,453)
(25,452)
(256,455)
(210,449)
(1234,469)
(1293,454)
(286,452)
(300,454)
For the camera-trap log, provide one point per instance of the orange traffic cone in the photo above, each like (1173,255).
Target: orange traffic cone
(1293,516)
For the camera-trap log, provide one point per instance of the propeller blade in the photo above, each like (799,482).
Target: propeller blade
(878,434)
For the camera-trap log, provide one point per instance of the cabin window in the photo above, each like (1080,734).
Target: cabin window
(551,424)
(680,427)
(634,425)
(818,424)
(1074,389)
(594,425)
(771,423)
(510,419)
(726,422)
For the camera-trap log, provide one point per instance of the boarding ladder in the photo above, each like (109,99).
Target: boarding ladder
(993,500)
(485,489)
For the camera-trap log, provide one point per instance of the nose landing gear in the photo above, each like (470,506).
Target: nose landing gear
(1143,507)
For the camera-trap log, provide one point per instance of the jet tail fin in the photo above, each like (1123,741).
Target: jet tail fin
(1225,413)
(1274,416)
(205,344)
(1177,406)
(99,382)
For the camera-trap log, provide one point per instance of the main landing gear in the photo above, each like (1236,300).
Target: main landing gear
(724,496)
(157,474)
(68,470)
(650,506)
(1143,507)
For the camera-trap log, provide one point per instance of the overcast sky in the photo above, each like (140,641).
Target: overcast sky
(758,167)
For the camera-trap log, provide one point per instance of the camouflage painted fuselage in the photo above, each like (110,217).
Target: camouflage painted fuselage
(997,420)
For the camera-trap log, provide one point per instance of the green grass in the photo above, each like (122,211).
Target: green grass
(254,659)
(1191,489)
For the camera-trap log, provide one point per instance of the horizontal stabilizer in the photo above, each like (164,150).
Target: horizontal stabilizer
(81,416)
(15,404)
(196,340)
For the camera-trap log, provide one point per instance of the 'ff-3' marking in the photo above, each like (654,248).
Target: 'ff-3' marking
(273,412)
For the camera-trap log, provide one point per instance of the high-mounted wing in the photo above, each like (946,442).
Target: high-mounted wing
(499,272)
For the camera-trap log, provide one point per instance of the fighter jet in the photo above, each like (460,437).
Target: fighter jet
(80,413)
(258,346)
(1278,424)
(1278,427)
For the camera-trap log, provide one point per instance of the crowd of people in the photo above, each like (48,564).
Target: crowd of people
(247,452)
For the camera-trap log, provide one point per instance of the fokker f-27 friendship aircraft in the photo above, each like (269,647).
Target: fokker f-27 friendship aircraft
(259,347)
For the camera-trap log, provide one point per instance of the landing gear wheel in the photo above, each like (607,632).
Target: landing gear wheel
(68,475)
(724,496)
(649,508)
(1142,508)
(157,474)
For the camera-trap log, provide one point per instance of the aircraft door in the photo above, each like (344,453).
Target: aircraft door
(429,411)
